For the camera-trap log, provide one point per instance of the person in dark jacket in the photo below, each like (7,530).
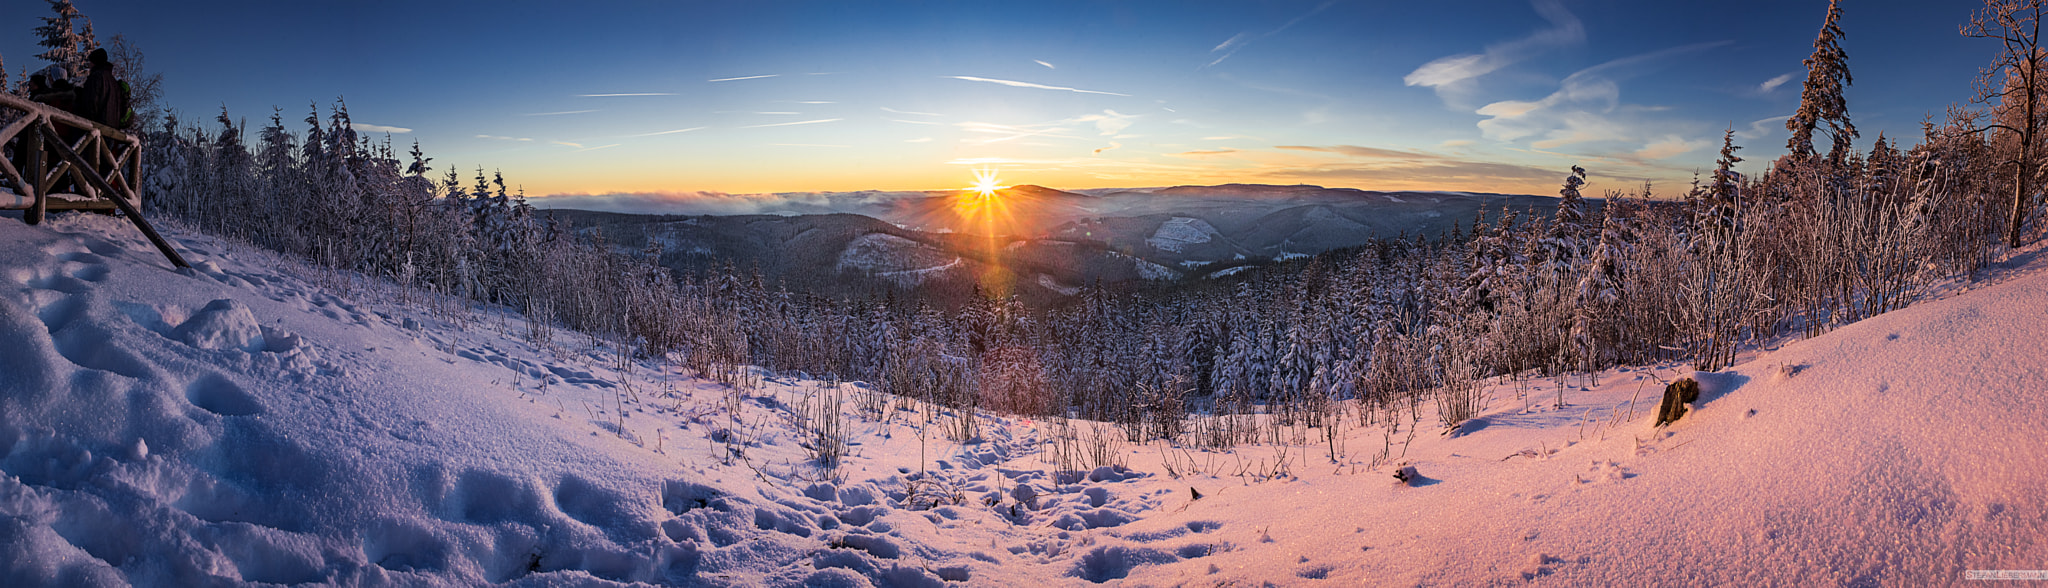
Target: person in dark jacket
(50,87)
(100,98)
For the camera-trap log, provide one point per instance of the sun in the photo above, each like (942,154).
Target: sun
(980,202)
(985,183)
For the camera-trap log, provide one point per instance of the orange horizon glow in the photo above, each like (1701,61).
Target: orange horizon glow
(740,180)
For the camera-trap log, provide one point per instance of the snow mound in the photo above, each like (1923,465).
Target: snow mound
(223,324)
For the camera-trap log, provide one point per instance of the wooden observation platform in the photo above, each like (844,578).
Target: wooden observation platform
(103,164)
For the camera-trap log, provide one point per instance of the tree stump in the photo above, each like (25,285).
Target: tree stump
(1676,396)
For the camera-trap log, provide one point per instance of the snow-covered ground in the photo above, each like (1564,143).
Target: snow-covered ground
(1179,232)
(908,262)
(256,421)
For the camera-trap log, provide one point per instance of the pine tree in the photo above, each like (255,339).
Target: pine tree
(1821,101)
(1569,222)
(67,46)
(1598,295)
(1563,246)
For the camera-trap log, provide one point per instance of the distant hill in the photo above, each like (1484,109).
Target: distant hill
(850,254)
(1046,242)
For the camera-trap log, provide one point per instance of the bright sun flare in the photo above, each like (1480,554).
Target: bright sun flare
(981,205)
(985,183)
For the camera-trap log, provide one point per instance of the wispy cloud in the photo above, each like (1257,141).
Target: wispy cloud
(666,132)
(744,78)
(913,122)
(1239,41)
(1451,174)
(1017,84)
(567,144)
(1450,74)
(597,147)
(1670,146)
(1047,65)
(1230,44)
(1008,132)
(625,94)
(1586,108)
(1773,83)
(503,138)
(888,109)
(807,145)
(1113,145)
(1762,128)
(1109,123)
(791,124)
(1207,153)
(557,113)
(1364,152)
(380,128)
(1377,168)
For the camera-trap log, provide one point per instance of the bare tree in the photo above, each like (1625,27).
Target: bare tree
(2014,80)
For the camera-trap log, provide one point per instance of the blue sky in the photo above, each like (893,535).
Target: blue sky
(687,98)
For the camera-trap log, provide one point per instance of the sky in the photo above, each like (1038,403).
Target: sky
(691,99)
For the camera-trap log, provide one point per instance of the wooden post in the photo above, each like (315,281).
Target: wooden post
(32,174)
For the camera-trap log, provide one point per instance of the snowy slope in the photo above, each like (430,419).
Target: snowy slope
(1903,450)
(1179,232)
(257,421)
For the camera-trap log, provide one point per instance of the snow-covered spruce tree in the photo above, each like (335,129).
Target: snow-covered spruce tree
(1562,249)
(66,45)
(1597,297)
(231,191)
(278,167)
(1821,100)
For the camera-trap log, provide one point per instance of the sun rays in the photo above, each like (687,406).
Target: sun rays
(983,207)
(982,204)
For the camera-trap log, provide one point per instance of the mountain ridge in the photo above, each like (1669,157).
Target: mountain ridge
(1044,239)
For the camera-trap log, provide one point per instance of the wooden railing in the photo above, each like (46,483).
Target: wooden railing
(102,164)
